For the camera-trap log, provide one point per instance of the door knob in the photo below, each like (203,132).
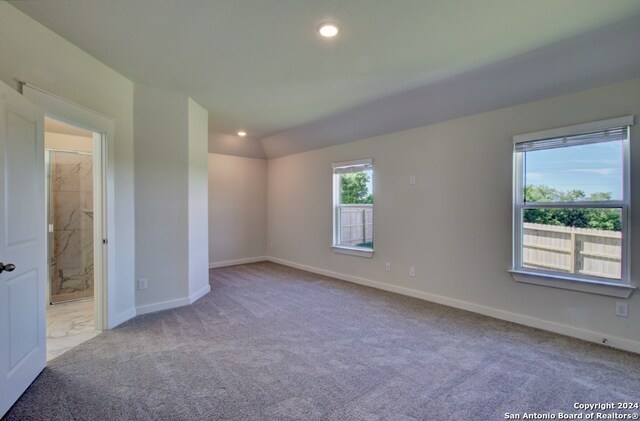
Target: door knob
(9,267)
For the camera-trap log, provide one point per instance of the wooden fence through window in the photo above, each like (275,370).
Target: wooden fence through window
(582,251)
(356,224)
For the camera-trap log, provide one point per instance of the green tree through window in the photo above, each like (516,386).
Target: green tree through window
(354,189)
(594,218)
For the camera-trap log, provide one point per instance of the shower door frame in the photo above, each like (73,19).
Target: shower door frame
(47,198)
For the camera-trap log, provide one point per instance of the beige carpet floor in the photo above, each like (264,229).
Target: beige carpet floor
(274,343)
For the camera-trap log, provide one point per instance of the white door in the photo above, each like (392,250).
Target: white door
(22,246)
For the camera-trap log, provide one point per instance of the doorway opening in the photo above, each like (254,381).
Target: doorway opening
(72,171)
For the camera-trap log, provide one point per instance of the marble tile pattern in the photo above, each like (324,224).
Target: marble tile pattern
(68,325)
(71,213)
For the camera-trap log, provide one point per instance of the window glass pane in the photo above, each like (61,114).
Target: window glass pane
(355,213)
(575,173)
(580,241)
(356,188)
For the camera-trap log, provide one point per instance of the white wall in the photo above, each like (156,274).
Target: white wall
(32,53)
(171,198)
(454,225)
(198,127)
(237,209)
(68,142)
(161,177)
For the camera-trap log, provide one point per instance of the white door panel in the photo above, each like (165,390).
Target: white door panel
(20,182)
(22,289)
(22,243)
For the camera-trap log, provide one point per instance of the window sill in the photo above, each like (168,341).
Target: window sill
(611,289)
(353,251)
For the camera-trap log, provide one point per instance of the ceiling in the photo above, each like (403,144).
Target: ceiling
(258,65)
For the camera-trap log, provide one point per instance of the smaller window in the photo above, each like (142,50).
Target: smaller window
(571,201)
(353,207)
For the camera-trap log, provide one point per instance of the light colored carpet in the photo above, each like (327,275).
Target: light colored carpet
(272,343)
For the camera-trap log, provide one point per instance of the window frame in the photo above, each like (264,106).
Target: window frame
(618,288)
(344,167)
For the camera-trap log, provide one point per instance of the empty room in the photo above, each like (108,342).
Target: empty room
(319,209)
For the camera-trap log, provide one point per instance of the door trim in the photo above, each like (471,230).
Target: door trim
(104,130)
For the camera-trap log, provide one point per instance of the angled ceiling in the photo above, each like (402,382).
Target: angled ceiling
(259,65)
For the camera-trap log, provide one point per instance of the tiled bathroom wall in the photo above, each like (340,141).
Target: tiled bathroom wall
(71,216)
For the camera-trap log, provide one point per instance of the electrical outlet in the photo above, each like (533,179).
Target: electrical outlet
(412,180)
(412,271)
(387,267)
(622,309)
(142,283)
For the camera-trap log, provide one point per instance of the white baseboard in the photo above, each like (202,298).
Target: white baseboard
(169,304)
(243,261)
(199,294)
(587,335)
(122,317)
(163,305)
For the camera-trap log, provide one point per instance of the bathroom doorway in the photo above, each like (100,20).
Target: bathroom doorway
(70,186)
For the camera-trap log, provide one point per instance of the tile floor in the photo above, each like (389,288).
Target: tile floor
(69,325)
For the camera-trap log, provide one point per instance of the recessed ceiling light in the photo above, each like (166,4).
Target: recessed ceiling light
(328,29)
(242,133)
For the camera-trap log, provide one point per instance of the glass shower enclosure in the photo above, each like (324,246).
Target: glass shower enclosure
(70,213)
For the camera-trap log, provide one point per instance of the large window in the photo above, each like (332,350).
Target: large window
(571,200)
(353,207)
